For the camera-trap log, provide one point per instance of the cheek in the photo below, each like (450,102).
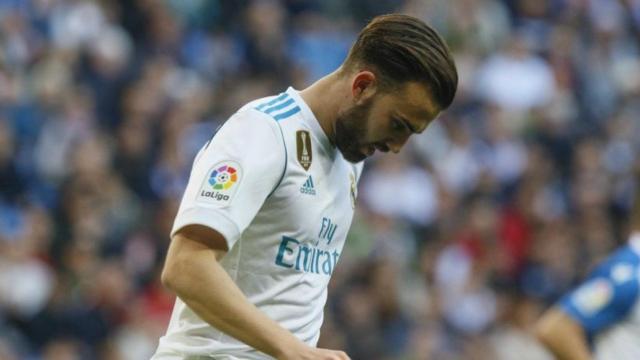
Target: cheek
(371,133)
(375,130)
(364,132)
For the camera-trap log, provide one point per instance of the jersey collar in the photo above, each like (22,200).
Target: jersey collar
(313,123)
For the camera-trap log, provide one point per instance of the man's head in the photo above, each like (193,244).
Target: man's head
(401,75)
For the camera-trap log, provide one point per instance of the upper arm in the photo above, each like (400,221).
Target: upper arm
(562,335)
(606,296)
(232,176)
(196,237)
(555,323)
(186,244)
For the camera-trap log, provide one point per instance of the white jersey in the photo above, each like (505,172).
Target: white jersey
(607,305)
(283,197)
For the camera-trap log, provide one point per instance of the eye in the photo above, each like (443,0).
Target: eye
(397,124)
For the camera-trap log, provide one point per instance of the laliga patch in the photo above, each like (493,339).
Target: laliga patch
(593,296)
(221,183)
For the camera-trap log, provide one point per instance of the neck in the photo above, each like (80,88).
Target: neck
(324,98)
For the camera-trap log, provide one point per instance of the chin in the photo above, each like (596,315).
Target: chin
(351,152)
(353,157)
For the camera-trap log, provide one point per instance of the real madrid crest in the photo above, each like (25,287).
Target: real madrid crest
(303,144)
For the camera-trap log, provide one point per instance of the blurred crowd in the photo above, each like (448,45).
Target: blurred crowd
(458,243)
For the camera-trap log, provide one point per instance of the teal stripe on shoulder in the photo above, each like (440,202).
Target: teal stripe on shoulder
(287,114)
(273,101)
(278,107)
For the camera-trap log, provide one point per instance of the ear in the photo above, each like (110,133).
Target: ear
(363,86)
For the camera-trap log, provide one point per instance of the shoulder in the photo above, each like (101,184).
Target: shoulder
(608,294)
(250,126)
(621,266)
(277,108)
(260,114)
(618,276)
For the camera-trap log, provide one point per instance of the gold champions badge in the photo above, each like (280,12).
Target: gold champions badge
(303,144)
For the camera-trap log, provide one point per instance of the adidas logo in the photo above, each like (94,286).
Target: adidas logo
(307,187)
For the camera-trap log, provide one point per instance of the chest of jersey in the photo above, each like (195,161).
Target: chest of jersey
(303,224)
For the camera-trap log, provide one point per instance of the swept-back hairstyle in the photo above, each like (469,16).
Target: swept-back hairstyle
(401,48)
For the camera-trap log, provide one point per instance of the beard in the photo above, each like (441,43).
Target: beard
(351,130)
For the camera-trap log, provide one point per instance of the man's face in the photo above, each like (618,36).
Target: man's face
(383,122)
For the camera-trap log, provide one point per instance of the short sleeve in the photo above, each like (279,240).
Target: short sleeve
(607,296)
(233,174)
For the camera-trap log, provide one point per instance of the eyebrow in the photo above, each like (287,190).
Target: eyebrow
(408,124)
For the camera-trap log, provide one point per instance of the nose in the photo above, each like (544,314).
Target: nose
(397,144)
(394,147)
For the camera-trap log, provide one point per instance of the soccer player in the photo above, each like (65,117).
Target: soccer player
(601,318)
(270,198)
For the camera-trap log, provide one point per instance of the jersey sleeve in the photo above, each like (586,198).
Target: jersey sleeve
(233,174)
(607,296)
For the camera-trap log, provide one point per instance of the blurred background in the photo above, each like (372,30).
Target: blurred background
(459,242)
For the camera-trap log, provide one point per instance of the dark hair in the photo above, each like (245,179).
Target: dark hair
(401,48)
